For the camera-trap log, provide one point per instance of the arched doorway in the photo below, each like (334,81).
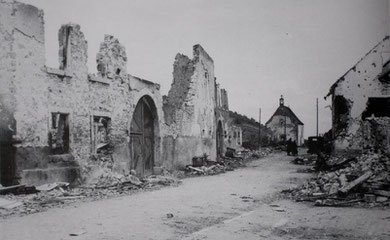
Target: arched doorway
(219,139)
(142,135)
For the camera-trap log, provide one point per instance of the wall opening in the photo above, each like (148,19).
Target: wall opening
(59,133)
(143,133)
(341,109)
(64,47)
(377,107)
(7,150)
(219,139)
(100,133)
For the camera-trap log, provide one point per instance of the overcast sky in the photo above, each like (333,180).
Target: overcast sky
(261,48)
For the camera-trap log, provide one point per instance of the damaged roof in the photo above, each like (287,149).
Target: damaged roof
(333,87)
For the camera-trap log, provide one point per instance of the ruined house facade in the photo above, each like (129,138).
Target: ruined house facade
(286,125)
(55,120)
(229,135)
(195,111)
(361,103)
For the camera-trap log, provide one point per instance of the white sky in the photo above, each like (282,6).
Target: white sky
(261,48)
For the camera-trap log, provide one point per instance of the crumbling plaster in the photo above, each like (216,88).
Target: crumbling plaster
(31,92)
(357,86)
(190,108)
(33,95)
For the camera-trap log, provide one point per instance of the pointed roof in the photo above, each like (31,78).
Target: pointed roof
(286,111)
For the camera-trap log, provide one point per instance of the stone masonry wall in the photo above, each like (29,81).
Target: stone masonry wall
(32,95)
(22,44)
(50,115)
(190,110)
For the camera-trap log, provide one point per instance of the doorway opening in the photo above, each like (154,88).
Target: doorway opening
(142,137)
(219,139)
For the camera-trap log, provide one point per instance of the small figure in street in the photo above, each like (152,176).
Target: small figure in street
(289,146)
(294,148)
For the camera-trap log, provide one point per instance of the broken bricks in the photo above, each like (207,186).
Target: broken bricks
(204,166)
(362,179)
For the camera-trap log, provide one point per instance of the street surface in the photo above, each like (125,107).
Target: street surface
(243,204)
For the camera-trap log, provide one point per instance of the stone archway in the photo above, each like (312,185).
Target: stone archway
(142,137)
(219,139)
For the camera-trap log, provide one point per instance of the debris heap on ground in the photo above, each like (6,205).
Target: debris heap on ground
(362,180)
(307,160)
(204,166)
(103,185)
(104,182)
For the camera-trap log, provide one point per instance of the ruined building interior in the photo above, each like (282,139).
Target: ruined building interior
(55,121)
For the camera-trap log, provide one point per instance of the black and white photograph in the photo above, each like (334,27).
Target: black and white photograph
(194,119)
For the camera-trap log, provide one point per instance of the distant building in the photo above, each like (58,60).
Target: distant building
(361,103)
(250,131)
(285,124)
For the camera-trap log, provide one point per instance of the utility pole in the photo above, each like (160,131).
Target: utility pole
(259,128)
(317,118)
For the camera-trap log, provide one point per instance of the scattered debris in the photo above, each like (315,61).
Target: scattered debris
(308,160)
(18,189)
(4,190)
(104,183)
(7,204)
(343,181)
(204,166)
(50,186)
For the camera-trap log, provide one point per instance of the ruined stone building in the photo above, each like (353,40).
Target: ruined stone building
(229,134)
(361,103)
(286,125)
(55,122)
(196,112)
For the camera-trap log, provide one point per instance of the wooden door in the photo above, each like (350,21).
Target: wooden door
(7,150)
(219,139)
(142,139)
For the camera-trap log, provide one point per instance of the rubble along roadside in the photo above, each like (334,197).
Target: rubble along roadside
(359,181)
(23,200)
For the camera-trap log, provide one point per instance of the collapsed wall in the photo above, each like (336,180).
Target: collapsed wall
(363,85)
(189,110)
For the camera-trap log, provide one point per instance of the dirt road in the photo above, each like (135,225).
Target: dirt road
(243,204)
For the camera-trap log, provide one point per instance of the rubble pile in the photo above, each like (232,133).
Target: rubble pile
(307,160)
(363,180)
(204,166)
(375,133)
(105,185)
(103,157)
(255,154)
